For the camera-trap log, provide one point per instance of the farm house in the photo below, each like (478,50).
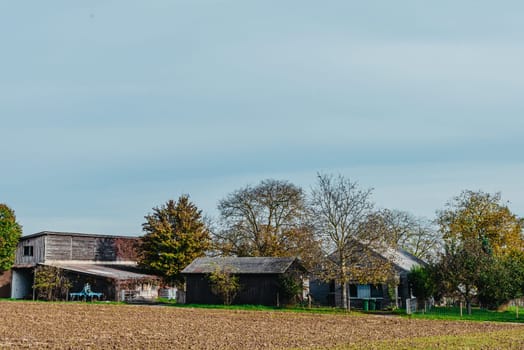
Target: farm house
(368,295)
(259,277)
(107,263)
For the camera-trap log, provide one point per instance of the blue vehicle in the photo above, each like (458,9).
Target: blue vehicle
(85,294)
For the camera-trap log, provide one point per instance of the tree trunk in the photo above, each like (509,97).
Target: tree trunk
(343,278)
(345,295)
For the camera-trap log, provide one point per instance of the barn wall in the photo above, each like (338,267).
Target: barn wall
(21,285)
(259,289)
(198,290)
(38,244)
(84,248)
(58,247)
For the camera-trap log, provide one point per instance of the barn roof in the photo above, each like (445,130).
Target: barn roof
(75,234)
(240,265)
(116,271)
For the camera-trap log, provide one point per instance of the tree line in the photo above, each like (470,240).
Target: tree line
(336,229)
(474,247)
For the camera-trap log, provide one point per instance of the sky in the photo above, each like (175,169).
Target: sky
(110,108)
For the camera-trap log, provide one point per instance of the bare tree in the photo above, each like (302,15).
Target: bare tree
(269,219)
(416,235)
(344,223)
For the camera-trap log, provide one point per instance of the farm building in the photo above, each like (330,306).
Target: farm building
(368,295)
(107,263)
(261,279)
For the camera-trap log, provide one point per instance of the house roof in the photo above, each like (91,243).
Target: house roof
(76,234)
(116,272)
(401,258)
(240,265)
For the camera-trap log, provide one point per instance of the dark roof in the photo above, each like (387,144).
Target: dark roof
(76,234)
(243,265)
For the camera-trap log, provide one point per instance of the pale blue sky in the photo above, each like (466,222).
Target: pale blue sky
(108,108)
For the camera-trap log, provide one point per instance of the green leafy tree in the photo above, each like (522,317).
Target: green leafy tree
(10,232)
(50,283)
(290,288)
(422,283)
(457,273)
(502,281)
(225,284)
(176,234)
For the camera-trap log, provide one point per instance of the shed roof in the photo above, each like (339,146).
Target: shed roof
(240,265)
(117,272)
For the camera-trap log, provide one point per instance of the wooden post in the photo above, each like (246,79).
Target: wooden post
(349,298)
(461,309)
(517,310)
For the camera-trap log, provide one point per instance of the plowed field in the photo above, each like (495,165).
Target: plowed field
(95,326)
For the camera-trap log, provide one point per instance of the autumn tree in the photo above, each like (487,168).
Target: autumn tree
(175,234)
(269,219)
(480,235)
(51,283)
(344,223)
(10,232)
(482,216)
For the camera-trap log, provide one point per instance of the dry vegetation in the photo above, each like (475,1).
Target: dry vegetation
(95,326)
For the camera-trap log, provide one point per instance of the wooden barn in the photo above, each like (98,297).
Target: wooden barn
(107,263)
(260,278)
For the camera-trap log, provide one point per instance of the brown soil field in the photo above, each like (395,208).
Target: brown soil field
(96,326)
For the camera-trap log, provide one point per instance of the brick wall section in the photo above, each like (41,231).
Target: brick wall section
(5,284)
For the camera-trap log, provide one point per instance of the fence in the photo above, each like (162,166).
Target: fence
(411,306)
(460,311)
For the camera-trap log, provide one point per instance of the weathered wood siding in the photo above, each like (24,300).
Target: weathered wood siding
(256,289)
(38,244)
(84,248)
(58,247)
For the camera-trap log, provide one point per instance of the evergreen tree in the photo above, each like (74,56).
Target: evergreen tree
(10,232)
(175,234)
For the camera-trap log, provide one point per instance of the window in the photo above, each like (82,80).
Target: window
(364,291)
(28,250)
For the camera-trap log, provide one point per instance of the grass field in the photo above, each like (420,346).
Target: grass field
(97,326)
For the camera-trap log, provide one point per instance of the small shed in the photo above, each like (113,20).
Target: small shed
(261,279)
